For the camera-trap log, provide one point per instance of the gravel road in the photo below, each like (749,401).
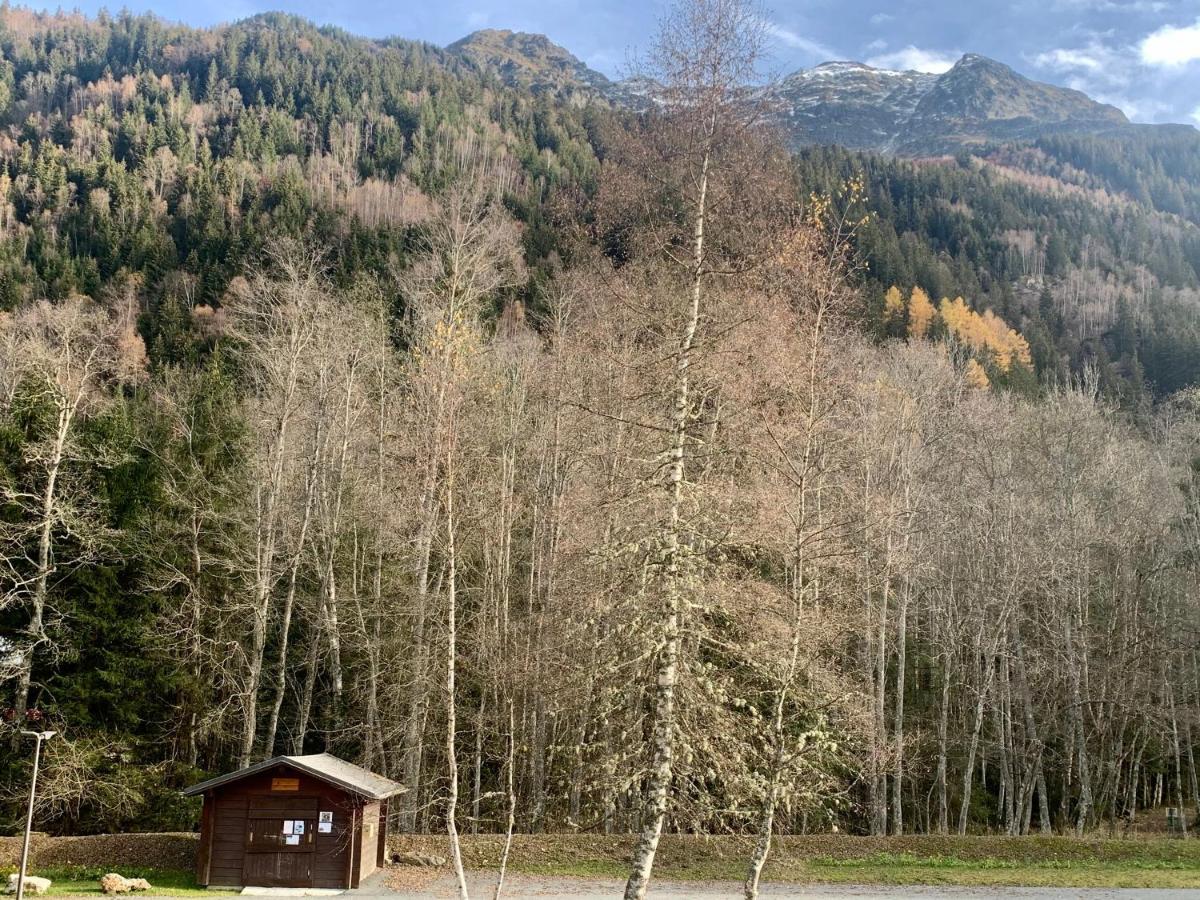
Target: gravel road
(520,887)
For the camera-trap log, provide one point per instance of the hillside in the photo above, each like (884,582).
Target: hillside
(585,462)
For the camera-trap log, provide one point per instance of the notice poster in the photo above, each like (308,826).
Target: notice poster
(325,823)
(292,840)
(287,826)
(298,827)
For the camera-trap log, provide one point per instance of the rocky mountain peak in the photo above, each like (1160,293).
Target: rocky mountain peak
(976,101)
(527,60)
(979,100)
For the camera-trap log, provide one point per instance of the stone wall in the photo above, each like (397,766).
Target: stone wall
(105,851)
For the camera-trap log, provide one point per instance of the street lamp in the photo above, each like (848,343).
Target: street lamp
(37,756)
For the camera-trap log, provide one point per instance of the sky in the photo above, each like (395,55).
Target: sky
(1140,55)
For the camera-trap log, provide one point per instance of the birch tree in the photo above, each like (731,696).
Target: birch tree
(62,363)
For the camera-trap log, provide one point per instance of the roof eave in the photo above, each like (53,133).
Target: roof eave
(230,777)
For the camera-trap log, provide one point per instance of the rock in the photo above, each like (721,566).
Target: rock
(412,858)
(112,883)
(33,884)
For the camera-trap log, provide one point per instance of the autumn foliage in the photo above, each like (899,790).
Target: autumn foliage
(988,338)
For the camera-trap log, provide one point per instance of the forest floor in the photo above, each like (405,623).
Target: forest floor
(973,861)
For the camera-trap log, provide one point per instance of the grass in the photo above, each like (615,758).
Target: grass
(840,859)
(75,881)
(972,861)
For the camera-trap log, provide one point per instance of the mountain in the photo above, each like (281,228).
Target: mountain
(848,103)
(531,62)
(978,101)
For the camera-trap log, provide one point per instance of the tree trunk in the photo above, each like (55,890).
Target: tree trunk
(510,764)
(973,746)
(451,666)
(306,695)
(668,659)
(898,721)
(942,730)
(36,628)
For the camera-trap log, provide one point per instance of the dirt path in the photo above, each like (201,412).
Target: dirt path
(522,887)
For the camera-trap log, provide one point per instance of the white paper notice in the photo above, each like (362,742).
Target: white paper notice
(326,815)
(325,827)
(287,826)
(292,840)
(298,827)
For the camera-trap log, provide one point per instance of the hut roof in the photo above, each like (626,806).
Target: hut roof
(324,766)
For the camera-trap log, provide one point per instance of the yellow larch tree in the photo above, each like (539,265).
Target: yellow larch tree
(920,313)
(893,302)
(976,377)
(984,332)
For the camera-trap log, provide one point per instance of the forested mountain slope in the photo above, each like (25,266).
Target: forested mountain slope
(384,399)
(141,149)
(1092,268)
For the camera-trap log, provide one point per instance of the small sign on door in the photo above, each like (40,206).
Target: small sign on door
(325,822)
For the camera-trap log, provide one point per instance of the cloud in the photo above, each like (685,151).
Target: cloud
(477,19)
(1116,71)
(1171,46)
(1196,115)
(881,18)
(1111,6)
(916,59)
(1138,109)
(790,38)
(876,45)
(1106,74)
(1065,59)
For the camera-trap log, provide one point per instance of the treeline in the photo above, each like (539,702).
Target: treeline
(640,534)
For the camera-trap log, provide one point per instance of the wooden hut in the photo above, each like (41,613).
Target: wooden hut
(293,821)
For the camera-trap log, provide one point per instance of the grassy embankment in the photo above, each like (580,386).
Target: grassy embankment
(830,859)
(73,881)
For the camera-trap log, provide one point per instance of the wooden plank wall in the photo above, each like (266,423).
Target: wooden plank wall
(231,806)
(368,856)
(228,838)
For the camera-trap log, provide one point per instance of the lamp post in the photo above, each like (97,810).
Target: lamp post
(37,756)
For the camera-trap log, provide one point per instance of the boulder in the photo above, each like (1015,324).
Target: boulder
(412,858)
(112,883)
(33,884)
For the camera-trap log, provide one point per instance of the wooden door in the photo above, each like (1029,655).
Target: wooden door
(280,843)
